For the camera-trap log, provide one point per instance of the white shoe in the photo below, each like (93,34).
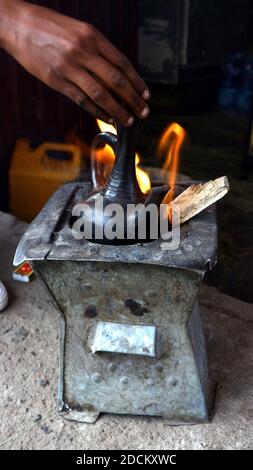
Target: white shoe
(3,297)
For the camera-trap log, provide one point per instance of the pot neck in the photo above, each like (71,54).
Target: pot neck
(122,184)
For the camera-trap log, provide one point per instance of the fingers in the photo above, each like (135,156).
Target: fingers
(117,81)
(86,103)
(99,95)
(115,57)
(79,97)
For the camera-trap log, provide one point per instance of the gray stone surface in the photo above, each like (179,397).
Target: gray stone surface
(29,354)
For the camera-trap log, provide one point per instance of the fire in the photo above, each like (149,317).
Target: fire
(106,157)
(142,177)
(171,143)
(104,127)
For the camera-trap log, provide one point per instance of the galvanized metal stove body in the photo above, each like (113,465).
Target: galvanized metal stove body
(130,331)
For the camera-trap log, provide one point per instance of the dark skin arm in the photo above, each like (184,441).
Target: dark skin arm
(75,59)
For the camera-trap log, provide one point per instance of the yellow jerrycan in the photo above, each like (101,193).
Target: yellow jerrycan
(34,175)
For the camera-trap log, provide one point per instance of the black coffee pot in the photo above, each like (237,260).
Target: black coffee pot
(122,189)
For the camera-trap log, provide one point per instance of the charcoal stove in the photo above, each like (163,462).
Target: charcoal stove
(131,339)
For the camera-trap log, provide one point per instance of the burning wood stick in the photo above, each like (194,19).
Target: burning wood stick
(198,197)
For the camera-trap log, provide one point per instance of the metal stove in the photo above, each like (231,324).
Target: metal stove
(131,339)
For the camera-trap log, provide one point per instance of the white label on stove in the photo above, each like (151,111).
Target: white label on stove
(125,339)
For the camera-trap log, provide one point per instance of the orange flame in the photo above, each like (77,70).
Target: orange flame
(142,177)
(104,127)
(106,157)
(171,143)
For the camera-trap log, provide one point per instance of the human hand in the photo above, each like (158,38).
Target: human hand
(75,59)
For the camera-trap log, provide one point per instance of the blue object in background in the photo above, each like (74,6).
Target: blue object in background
(237,83)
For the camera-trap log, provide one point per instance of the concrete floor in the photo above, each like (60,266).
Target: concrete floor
(28,371)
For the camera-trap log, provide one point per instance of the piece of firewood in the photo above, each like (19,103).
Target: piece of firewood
(198,197)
